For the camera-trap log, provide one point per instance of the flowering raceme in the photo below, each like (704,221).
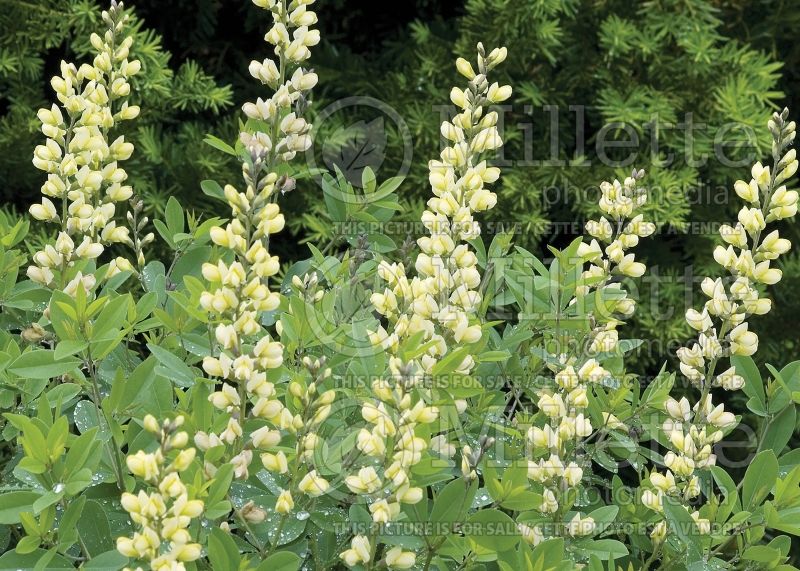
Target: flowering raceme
(83,162)
(163,514)
(692,430)
(440,302)
(564,400)
(239,293)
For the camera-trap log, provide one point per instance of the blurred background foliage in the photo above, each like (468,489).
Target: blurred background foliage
(580,69)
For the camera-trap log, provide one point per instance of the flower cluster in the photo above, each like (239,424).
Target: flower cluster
(392,446)
(164,513)
(314,407)
(563,404)
(239,291)
(721,325)
(618,233)
(392,442)
(441,303)
(83,163)
(360,551)
(443,299)
(545,392)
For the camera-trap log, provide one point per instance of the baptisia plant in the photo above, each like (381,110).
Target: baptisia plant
(452,403)
(239,294)
(164,513)
(563,400)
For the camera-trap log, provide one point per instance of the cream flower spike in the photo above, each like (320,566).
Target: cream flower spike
(564,402)
(609,254)
(441,302)
(82,160)
(443,299)
(238,292)
(162,511)
(721,324)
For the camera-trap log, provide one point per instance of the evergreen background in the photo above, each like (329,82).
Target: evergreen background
(721,60)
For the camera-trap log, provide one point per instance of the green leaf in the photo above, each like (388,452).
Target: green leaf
(605,549)
(753,383)
(368,180)
(493,356)
(548,553)
(81,450)
(33,441)
(759,479)
(787,489)
(780,430)
(86,419)
(450,362)
(111,318)
(213,189)
(94,529)
(62,393)
(108,561)
(453,501)
(335,200)
(174,216)
(657,391)
(220,485)
(784,520)
(69,347)
(41,364)
(492,530)
(13,561)
(730,499)
(172,367)
(762,554)
(603,517)
(684,528)
(222,550)
(12,503)
(67,531)
(220,145)
(520,499)
(46,500)
(283,561)
(126,390)
(164,232)
(28,544)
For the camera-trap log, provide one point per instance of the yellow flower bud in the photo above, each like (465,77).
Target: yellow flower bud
(45,211)
(396,558)
(275,462)
(313,485)
(465,68)
(184,459)
(285,503)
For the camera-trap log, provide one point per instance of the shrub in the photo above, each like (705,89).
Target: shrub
(205,413)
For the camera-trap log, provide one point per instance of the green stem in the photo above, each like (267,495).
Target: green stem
(111,449)
(277,537)
(717,550)
(258,544)
(652,558)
